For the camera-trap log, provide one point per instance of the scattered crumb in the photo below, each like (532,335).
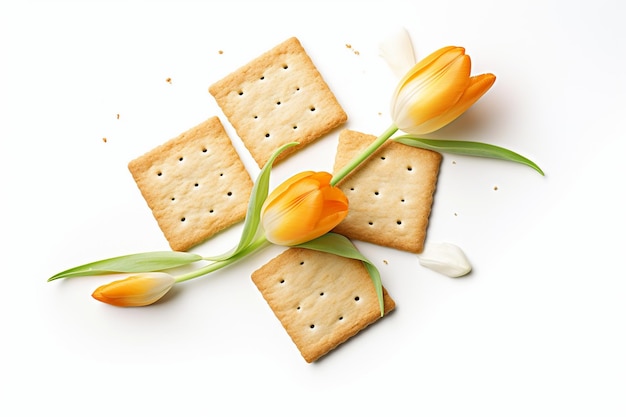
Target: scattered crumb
(455,214)
(220,52)
(169,80)
(349,46)
(117,116)
(380,113)
(495,188)
(104,140)
(385,262)
(453,162)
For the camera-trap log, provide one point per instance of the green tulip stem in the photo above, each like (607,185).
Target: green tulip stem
(364,155)
(214,266)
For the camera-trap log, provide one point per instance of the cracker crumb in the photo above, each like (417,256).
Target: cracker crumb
(453,162)
(117,116)
(495,188)
(169,80)
(455,214)
(220,52)
(385,262)
(349,46)
(104,140)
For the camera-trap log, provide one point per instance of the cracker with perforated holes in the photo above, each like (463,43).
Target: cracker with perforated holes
(277,98)
(195,184)
(390,194)
(321,299)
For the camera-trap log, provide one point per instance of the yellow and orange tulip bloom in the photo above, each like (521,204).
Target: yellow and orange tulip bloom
(303,208)
(136,290)
(437,90)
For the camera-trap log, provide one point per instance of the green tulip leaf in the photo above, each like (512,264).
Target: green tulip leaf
(139,262)
(340,245)
(253,215)
(467,148)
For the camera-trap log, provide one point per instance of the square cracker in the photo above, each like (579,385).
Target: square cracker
(277,98)
(320,299)
(390,194)
(195,184)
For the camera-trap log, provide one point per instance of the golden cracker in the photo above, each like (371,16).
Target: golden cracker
(390,194)
(277,98)
(195,184)
(320,299)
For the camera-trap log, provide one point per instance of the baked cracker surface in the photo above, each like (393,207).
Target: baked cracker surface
(390,194)
(195,184)
(320,299)
(277,98)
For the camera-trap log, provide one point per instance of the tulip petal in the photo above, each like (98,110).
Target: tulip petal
(430,59)
(433,94)
(301,214)
(433,86)
(284,186)
(397,51)
(445,258)
(478,86)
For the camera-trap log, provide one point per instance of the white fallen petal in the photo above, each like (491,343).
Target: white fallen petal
(445,258)
(397,51)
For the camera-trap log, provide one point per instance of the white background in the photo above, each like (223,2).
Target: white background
(538,328)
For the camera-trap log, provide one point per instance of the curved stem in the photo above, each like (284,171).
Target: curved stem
(364,155)
(253,247)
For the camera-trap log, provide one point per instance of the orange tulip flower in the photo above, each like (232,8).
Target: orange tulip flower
(437,90)
(136,290)
(303,208)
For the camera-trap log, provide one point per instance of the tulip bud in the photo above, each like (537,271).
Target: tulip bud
(303,208)
(437,90)
(136,290)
